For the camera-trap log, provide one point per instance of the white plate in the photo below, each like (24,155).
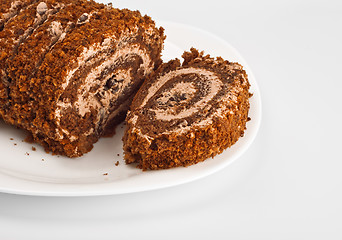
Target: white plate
(28,172)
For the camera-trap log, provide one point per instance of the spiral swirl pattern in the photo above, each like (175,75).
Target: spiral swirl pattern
(187,113)
(181,100)
(186,98)
(107,80)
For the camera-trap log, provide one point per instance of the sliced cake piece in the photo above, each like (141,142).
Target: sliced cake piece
(73,79)
(184,114)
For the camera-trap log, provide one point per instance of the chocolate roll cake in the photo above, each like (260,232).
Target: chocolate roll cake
(70,68)
(186,113)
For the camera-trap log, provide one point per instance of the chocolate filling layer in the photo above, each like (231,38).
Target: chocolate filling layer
(103,82)
(182,99)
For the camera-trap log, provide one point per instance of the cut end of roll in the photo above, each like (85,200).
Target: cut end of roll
(184,114)
(69,69)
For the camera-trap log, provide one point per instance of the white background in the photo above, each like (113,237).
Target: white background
(288,185)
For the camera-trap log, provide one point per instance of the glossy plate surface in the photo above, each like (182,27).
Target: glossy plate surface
(26,169)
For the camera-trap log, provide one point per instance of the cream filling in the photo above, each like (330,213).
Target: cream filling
(55,29)
(123,107)
(215,85)
(179,88)
(86,100)
(87,56)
